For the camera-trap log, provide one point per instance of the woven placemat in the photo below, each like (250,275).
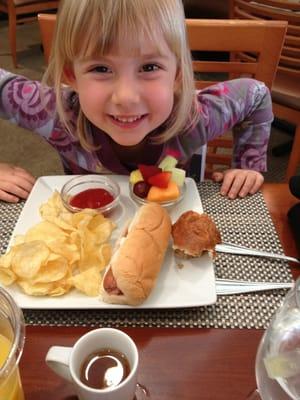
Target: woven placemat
(241,221)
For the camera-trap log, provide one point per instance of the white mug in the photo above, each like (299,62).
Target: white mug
(67,362)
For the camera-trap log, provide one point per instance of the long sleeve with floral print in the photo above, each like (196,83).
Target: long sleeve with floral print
(243,105)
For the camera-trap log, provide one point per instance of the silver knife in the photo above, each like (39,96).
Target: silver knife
(231,248)
(229,286)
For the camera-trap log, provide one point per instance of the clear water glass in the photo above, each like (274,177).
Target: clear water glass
(277,364)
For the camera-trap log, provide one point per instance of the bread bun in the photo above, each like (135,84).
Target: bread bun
(136,262)
(194,233)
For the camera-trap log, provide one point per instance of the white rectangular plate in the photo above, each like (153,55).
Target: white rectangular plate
(192,284)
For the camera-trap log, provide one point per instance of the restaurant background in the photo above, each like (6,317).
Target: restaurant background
(29,151)
(222,367)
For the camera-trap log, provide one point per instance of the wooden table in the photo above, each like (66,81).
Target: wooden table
(180,363)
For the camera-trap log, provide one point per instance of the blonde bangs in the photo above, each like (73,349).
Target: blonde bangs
(93,28)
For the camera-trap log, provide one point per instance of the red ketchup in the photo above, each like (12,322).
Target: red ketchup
(91,198)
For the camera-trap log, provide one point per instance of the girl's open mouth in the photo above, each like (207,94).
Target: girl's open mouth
(127,121)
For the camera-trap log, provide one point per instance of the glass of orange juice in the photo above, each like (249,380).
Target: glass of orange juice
(12,336)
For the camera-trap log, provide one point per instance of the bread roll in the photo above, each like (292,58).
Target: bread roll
(194,233)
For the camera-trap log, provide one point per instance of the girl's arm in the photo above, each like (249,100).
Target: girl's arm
(33,106)
(22,104)
(27,103)
(245,106)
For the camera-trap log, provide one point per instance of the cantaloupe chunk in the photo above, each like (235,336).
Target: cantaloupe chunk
(156,194)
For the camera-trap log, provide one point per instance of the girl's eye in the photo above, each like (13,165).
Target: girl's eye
(150,68)
(102,69)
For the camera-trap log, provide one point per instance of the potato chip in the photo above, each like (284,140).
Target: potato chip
(55,212)
(88,281)
(56,239)
(66,250)
(63,251)
(60,288)
(105,253)
(7,276)
(55,269)
(35,289)
(42,289)
(53,207)
(47,231)
(28,258)
(101,229)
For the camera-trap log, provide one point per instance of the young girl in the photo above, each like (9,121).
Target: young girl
(121,92)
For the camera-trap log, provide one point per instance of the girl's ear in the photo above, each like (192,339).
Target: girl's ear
(69,77)
(178,81)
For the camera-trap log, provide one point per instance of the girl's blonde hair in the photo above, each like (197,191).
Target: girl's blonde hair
(87,28)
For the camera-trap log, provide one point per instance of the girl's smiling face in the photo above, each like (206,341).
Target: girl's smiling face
(127,95)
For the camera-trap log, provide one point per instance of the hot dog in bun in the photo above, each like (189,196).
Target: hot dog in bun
(138,256)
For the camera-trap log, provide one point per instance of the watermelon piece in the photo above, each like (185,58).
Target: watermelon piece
(148,170)
(161,179)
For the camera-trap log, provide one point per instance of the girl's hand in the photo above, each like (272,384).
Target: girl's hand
(15,183)
(238,182)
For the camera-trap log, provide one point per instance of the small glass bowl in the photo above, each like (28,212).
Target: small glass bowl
(169,203)
(81,183)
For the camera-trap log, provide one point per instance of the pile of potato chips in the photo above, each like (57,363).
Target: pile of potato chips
(63,251)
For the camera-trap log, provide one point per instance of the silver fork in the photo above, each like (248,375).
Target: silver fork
(230,286)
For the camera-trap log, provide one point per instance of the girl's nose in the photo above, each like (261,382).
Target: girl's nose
(126,91)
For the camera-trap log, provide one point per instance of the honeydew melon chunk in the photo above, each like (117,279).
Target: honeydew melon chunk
(167,163)
(178,176)
(135,176)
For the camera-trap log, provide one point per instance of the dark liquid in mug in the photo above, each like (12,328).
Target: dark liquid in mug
(104,368)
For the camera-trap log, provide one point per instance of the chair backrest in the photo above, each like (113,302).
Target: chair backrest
(263,38)
(216,43)
(284,10)
(286,88)
(47,27)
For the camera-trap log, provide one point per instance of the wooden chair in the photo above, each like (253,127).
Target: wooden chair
(20,12)
(263,38)
(286,87)
(47,26)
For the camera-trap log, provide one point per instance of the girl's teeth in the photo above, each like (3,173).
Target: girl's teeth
(130,119)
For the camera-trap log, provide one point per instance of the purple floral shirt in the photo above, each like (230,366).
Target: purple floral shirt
(243,105)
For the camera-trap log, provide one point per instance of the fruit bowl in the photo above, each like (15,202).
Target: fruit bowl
(168,203)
